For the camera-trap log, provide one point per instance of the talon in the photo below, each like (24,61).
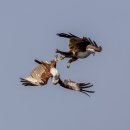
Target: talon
(68,66)
(56,56)
(57,51)
(62,58)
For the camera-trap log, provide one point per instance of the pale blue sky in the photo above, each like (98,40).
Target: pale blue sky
(28,30)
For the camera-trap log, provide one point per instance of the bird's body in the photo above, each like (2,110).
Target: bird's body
(85,54)
(79,48)
(41,74)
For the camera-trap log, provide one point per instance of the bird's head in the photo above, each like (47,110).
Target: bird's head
(55,75)
(92,45)
(93,49)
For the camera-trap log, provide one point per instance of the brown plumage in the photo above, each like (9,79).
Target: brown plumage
(41,74)
(78,47)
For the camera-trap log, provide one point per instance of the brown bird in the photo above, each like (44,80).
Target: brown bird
(41,74)
(79,48)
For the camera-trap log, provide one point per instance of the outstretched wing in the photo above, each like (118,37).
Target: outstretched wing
(80,44)
(81,87)
(65,35)
(76,43)
(38,76)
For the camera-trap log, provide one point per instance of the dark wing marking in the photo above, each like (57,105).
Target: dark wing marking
(81,87)
(26,82)
(37,61)
(73,35)
(65,35)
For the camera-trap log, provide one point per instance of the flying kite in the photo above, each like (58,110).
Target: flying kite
(45,70)
(79,48)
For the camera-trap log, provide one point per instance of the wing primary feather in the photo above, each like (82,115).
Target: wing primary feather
(87,86)
(89,91)
(90,41)
(95,43)
(37,61)
(26,82)
(72,34)
(66,35)
(21,79)
(84,84)
(83,87)
(85,93)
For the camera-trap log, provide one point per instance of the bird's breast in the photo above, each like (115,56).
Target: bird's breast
(83,54)
(54,71)
(55,74)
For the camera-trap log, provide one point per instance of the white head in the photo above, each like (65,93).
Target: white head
(92,51)
(55,74)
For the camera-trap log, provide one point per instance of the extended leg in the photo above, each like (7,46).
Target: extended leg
(66,54)
(70,61)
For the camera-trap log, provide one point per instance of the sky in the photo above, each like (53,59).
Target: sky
(28,31)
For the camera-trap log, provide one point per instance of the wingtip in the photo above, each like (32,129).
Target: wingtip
(58,34)
(22,79)
(37,61)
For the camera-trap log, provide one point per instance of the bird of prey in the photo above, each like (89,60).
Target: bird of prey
(79,48)
(45,70)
